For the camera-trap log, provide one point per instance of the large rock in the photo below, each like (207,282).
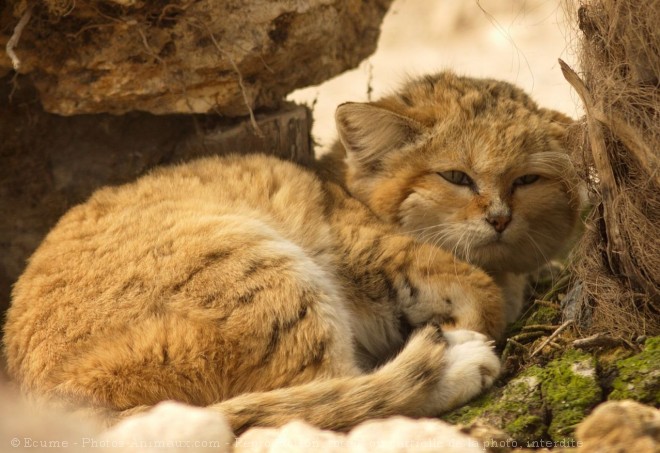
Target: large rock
(182,56)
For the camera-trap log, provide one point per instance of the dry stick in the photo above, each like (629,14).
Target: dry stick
(609,190)
(551,337)
(15,37)
(630,139)
(596,340)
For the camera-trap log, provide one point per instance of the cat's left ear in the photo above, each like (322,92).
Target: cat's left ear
(562,127)
(369,132)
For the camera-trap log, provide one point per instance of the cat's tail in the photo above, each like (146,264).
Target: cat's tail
(432,374)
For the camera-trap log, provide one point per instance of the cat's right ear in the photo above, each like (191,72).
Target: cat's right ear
(369,132)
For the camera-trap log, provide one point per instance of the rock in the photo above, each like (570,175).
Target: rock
(294,437)
(401,434)
(570,390)
(517,409)
(171,427)
(205,56)
(620,426)
(50,162)
(541,403)
(395,434)
(638,377)
(28,427)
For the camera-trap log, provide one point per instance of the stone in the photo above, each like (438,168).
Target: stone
(294,437)
(116,56)
(27,426)
(401,434)
(171,427)
(620,426)
(638,377)
(541,402)
(392,435)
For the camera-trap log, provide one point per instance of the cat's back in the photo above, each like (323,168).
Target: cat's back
(131,252)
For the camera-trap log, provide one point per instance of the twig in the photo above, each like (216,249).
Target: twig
(534,327)
(253,120)
(370,80)
(603,340)
(595,341)
(527,336)
(551,337)
(518,345)
(608,185)
(15,37)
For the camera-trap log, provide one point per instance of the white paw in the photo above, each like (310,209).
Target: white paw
(458,336)
(472,367)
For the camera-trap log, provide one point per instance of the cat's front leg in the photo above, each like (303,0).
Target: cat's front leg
(437,287)
(417,282)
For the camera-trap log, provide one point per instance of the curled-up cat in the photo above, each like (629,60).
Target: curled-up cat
(366,287)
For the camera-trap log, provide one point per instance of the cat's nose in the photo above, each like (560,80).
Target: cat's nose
(499,222)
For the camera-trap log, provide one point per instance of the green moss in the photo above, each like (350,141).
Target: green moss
(528,427)
(517,408)
(464,415)
(544,314)
(639,376)
(570,390)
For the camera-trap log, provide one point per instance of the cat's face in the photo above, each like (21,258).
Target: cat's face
(470,165)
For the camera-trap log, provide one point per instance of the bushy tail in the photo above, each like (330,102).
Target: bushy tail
(432,374)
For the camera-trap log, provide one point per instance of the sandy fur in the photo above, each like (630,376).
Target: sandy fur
(269,292)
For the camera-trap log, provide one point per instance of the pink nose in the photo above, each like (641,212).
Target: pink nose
(499,222)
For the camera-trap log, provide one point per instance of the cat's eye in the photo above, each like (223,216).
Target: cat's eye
(525,179)
(457,177)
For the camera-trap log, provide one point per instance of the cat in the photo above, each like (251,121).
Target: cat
(367,286)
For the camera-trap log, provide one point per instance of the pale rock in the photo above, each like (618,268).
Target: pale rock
(294,437)
(171,427)
(620,426)
(401,434)
(396,434)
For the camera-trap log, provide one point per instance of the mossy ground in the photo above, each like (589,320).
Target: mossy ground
(546,391)
(638,377)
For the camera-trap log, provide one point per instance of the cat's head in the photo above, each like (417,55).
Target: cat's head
(472,165)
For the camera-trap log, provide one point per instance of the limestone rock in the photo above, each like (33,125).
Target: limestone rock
(179,56)
(400,434)
(395,434)
(294,437)
(620,426)
(171,427)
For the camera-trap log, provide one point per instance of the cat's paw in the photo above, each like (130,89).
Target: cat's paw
(471,367)
(458,336)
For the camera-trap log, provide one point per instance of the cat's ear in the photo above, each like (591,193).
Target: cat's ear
(561,127)
(369,132)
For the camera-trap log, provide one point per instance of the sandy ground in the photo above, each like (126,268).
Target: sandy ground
(514,40)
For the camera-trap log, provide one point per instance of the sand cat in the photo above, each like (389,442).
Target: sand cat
(367,287)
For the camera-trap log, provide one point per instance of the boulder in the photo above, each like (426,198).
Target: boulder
(180,56)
